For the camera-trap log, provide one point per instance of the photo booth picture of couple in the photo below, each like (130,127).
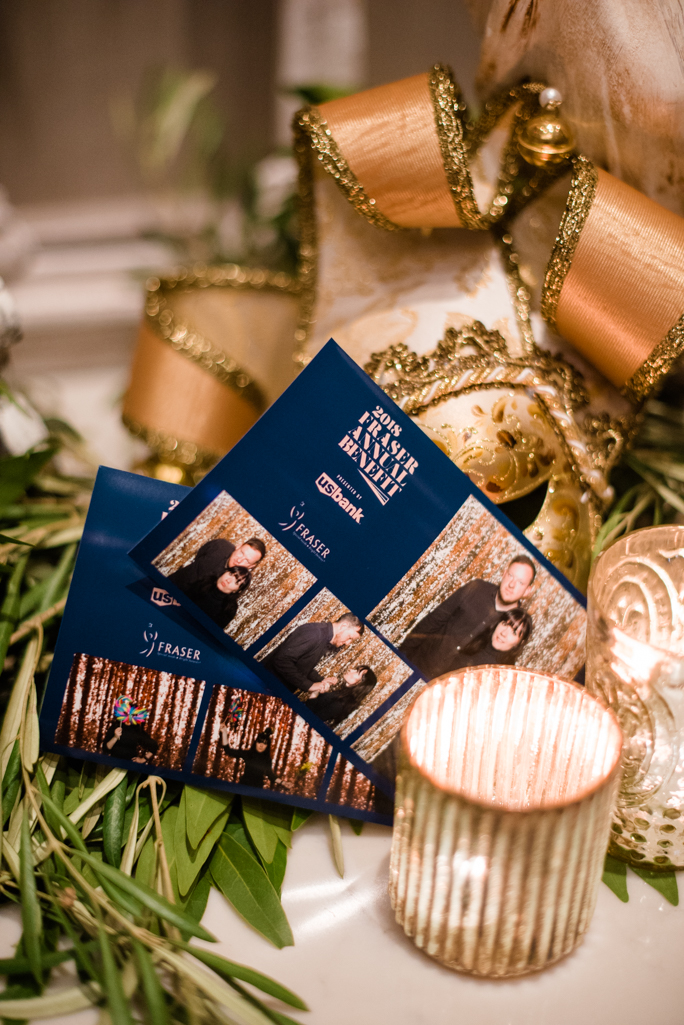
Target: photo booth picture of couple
(475,597)
(258,741)
(333,662)
(234,570)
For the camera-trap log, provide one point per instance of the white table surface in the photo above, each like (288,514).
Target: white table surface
(352,964)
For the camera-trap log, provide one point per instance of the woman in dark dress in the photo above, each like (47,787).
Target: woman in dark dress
(124,740)
(218,595)
(335,705)
(257,758)
(498,646)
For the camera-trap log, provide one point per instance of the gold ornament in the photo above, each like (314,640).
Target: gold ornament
(513,424)
(547,137)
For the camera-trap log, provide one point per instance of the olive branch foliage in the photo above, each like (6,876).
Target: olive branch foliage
(112,870)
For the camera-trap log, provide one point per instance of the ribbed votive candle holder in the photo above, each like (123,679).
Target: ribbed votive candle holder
(505,791)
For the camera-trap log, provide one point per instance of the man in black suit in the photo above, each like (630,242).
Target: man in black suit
(436,640)
(216,556)
(295,658)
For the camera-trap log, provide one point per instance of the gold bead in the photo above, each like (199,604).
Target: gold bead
(546,139)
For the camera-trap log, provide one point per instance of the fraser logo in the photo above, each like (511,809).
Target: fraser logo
(328,487)
(153,646)
(295,522)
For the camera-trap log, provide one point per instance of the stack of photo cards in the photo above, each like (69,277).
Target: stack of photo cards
(273,625)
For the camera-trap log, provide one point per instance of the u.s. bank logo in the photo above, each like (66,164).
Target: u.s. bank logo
(167,649)
(327,486)
(161,597)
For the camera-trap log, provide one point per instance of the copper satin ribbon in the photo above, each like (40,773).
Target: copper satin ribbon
(170,394)
(620,293)
(389,139)
(622,298)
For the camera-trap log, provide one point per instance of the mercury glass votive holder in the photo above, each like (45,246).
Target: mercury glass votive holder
(504,798)
(635,664)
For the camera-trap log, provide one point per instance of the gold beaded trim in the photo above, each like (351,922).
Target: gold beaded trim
(171,450)
(193,345)
(659,363)
(447,104)
(580,198)
(330,156)
(308,239)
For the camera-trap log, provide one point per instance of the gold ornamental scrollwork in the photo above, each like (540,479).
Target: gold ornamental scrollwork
(528,434)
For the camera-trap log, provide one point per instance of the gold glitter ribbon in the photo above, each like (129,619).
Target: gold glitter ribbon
(400,152)
(211,354)
(614,285)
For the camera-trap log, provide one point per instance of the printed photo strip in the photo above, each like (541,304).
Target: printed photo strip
(329,659)
(234,570)
(129,712)
(258,741)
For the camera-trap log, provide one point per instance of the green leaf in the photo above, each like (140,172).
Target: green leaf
(201,808)
(6,539)
(113,823)
(31,917)
(299,817)
(356,825)
(236,829)
(154,994)
(58,788)
(195,904)
(189,862)
(243,882)
(74,798)
(615,877)
(17,472)
(664,882)
(64,823)
(168,821)
(20,965)
(147,863)
(232,970)
(275,870)
(259,825)
(56,582)
(117,1003)
(11,782)
(9,614)
(44,788)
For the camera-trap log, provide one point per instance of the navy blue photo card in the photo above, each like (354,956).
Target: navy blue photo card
(136,682)
(346,561)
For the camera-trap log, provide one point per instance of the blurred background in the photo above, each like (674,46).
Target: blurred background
(138,134)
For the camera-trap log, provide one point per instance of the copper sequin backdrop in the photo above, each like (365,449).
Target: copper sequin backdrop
(95,684)
(299,755)
(349,786)
(390,670)
(278,581)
